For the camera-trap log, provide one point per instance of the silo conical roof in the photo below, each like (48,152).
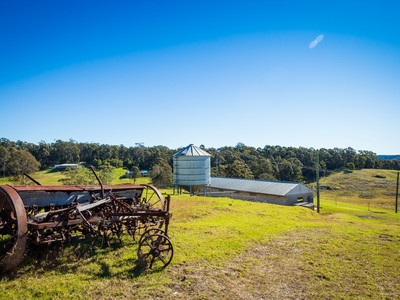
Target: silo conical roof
(192,150)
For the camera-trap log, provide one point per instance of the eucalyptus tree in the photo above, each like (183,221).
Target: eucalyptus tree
(237,169)
(4,159)
(161,173)
(22,162)
(65,152)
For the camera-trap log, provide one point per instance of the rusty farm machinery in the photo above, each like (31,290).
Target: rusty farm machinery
(59,214)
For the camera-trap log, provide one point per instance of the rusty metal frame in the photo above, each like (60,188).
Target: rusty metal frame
(41,220)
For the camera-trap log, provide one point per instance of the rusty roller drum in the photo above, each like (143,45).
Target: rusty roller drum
(13,229)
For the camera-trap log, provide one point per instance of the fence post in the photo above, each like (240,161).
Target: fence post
(317,175)
(397,193)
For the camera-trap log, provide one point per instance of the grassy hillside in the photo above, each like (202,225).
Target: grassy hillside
(232,249)
(373,188)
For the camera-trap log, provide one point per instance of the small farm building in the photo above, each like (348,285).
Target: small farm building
(64,167)
(277,192)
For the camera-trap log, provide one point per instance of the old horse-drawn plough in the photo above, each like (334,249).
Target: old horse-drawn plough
(58,214)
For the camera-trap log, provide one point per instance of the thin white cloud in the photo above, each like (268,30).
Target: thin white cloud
(316,41)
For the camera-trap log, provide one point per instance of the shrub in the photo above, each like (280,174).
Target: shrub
(367,195)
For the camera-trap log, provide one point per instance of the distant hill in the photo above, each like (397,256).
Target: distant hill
(389,157)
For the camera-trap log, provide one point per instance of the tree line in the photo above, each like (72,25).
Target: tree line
(240,161)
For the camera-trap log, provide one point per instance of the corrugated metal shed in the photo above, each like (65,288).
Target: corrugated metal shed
(277,188)
(192,150)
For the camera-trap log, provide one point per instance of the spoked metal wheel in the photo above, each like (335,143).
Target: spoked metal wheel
(152,198)
(151,231)
(155,251)
(13,229)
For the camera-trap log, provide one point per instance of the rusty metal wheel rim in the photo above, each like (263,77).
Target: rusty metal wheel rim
(152,197)
(150,232)
(13,211)
(155,201)
(155,251)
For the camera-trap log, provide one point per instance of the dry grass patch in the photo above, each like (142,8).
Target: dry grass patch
(369,187)
(323,263)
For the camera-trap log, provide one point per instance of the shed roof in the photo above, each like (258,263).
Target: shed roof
(278,188)
(192,150)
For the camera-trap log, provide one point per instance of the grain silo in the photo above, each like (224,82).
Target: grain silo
(192,167)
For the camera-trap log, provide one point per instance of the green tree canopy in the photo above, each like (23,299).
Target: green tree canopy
(65,152)
(85,176)
(238,161)
(78,176)
(23,162)
(161,174)
(237,169)
(4,159)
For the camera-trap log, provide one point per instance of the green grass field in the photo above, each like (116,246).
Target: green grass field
(233,249)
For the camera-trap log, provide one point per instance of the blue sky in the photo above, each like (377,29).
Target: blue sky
(293,73)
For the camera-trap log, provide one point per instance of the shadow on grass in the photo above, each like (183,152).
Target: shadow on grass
(65,257)
(140,269)
(105,271)
(84,256)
